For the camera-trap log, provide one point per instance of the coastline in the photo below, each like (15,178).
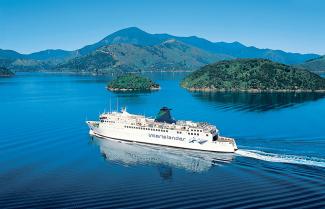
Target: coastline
(123,90)
(103,74)
(6,76)
(255,90)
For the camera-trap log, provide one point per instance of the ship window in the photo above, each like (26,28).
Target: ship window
(207,134)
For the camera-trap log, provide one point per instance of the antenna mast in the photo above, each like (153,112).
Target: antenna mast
(110,104)
(117,104)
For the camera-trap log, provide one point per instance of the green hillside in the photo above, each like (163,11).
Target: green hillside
(170,55)
(252,75)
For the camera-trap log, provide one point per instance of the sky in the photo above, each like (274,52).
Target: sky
(291,25)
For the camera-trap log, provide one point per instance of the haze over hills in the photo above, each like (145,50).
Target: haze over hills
(316,65)
(195,53)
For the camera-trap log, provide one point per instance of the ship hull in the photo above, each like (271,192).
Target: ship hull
(161,139)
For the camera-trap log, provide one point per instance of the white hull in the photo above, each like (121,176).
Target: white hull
(169,139)
(128,153)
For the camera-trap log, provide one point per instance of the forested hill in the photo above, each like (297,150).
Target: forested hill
(170,55)
(252,75)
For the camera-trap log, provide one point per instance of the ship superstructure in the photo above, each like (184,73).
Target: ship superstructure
(163,131)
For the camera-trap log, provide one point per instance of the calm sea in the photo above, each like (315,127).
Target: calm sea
(48,160)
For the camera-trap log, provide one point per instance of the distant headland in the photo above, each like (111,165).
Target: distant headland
(253,75)
(132,82)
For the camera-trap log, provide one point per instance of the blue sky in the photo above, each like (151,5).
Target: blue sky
(291,25)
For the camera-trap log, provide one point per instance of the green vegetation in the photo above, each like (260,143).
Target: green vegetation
(316,65)
(167,56)
(4,72)
(132,82)
(97,62)
(252,75)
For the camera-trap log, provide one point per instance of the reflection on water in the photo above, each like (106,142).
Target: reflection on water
(132,154)
(257,101)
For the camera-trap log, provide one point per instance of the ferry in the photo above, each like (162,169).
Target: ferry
(162,130)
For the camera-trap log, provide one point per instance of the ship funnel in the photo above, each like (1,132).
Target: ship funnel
(164,116)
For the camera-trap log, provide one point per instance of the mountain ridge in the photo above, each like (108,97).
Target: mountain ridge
(134,35)
(171,55)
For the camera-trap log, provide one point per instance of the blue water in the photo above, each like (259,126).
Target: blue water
(48,160)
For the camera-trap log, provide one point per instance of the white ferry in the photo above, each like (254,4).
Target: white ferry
(163,131)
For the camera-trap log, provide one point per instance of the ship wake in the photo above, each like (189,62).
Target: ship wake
(282,158)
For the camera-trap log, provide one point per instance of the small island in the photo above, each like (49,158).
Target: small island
(4,72)
(253,75)
(132,82)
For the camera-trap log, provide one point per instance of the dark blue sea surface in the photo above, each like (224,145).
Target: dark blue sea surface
(48,160)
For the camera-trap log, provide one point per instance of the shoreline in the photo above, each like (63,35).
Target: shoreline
(124,90)
(101,74)
(255,90)
(6,76)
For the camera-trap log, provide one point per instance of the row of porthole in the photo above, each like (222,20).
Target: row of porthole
(148,129)
(196,134)
(106,121)
(195,130)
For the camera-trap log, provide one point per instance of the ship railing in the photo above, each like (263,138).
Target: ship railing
(226,139)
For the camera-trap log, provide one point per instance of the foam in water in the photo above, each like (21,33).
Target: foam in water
(282,158)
